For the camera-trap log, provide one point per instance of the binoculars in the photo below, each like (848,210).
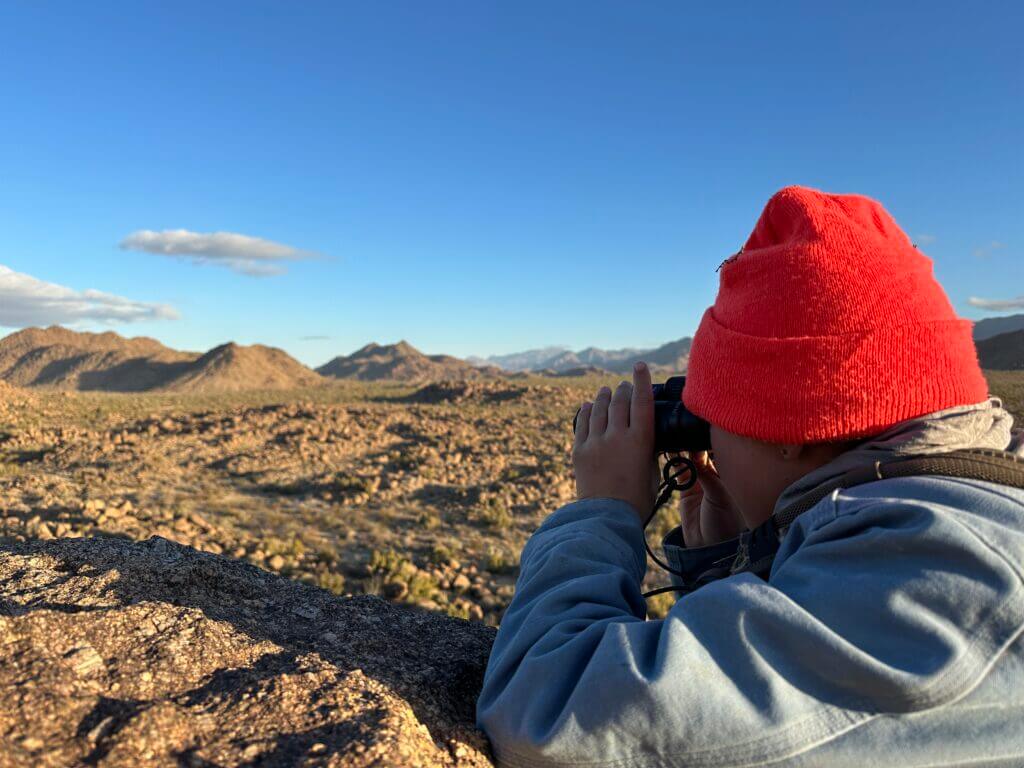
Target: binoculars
(675,428)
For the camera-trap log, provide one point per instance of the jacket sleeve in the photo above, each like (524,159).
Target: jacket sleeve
(857,621)
(695,566)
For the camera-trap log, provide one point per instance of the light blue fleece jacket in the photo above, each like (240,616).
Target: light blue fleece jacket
(888,633)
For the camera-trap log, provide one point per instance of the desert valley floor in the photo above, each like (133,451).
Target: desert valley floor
(423,494)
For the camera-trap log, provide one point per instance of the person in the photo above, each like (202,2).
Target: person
(888,629)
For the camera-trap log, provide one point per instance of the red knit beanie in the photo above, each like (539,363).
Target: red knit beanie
(828,325)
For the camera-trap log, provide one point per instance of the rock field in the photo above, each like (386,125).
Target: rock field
(423,495)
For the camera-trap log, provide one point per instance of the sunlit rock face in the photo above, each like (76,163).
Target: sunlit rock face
(125,653)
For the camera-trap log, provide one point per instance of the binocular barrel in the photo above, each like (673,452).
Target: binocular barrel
(675,428)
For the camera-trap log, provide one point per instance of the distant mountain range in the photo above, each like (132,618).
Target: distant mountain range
(61,359)
(993,326)
(402,361)
(530,360)
(58,358)
(672,356)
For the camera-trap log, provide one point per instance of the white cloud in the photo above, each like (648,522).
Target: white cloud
(26,300)
(987,250)
(247,255)
(997,305)
(925,239)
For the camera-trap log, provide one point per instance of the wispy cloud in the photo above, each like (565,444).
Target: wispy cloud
(26,300)
(314,338)
(997,305)
(985,251)
(925,239)
(247,255)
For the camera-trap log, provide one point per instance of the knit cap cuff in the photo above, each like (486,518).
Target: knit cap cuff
(806,389)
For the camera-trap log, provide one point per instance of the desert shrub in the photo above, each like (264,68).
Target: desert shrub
(385,562)
(293,547)
(422,587)
(11,469)
(353,484)
(494,514)
(668,517)
(388,567)
(440,554)
(457,610)
(330,580)
(325,554)
(428,520)
(498,560)
(658,606)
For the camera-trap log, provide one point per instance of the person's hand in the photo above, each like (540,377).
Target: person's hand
(709,515)
(613,452)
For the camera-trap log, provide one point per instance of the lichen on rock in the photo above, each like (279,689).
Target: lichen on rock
(120,653)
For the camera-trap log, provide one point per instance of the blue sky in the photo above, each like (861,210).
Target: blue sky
(477,177)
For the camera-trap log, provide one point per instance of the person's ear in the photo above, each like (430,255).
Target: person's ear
(790,452)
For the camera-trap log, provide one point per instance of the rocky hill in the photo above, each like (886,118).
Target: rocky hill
(994,326)
(63,359)
(150,653)
(230,368)
(1004,352)
(58,358)
(402,362)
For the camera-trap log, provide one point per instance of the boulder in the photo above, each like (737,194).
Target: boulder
(121,653)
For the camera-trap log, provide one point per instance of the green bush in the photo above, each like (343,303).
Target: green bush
(658,606)
(494,514)
(293,547)
(330,580)
(388,567)
(429,521)
(440,554)
(498,561)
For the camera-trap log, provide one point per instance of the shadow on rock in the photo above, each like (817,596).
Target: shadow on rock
(133,653)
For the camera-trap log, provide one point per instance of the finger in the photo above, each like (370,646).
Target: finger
(641,409)
(618,411)
(709,476)
(583,423)
(599,413)
(704,463)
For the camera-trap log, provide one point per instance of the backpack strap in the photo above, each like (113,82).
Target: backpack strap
(757,548)
(984,464)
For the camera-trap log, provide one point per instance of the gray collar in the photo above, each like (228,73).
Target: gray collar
(982,425)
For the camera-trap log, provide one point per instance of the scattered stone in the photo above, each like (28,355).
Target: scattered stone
(331,479)
(85,660)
